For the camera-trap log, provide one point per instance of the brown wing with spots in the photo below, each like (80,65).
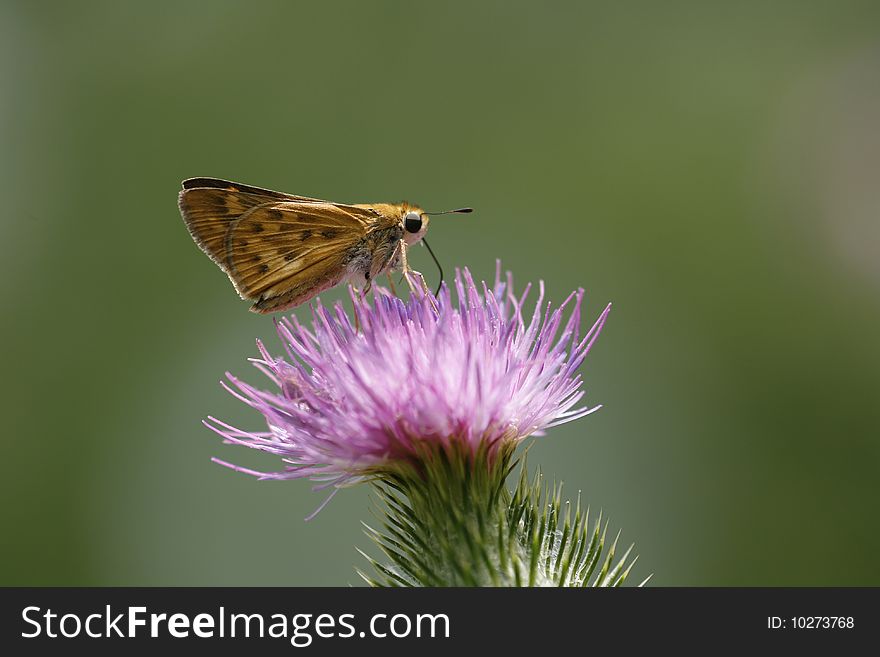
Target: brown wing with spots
(210,206)
(280,250)
(210,212)
(283,254)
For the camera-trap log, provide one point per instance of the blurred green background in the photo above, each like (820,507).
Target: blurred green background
(710,168)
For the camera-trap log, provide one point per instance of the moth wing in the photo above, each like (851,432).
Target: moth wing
(282,254)
(209,213)
(228,185)
(210,206)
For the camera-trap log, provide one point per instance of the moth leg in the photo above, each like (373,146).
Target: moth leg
(399,247)
(404,266)
(361,294)
(404,263)
(423,286)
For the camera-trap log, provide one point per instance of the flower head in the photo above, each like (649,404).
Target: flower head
(353,397)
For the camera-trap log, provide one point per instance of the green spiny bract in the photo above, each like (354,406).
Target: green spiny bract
(448,519)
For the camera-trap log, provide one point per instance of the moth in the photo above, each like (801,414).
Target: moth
(281,250)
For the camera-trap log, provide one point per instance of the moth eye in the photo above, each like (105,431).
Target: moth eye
(412,222)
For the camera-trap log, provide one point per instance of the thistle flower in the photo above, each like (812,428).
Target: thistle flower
(428,399)
(354,399)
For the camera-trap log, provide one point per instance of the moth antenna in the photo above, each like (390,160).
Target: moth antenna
(436,262)
(459,211)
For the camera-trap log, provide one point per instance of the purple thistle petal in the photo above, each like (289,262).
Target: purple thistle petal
(349,401)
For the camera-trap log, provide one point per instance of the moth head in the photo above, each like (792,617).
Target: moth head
(415,225)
